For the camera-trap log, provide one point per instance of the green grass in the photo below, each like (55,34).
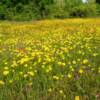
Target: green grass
(50,60)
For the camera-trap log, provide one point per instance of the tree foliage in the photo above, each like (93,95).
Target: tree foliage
(41,9)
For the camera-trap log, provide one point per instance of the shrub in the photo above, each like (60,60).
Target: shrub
(84,10)
(2,12)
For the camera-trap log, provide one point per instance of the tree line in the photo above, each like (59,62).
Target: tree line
(47,9)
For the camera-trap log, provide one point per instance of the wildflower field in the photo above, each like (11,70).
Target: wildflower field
(50,60)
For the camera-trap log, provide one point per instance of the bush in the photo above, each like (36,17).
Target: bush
(43,9)
(98,9)
(84,10)
(57,12)
(2,12)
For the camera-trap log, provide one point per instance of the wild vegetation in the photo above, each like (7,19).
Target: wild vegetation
(23,10)
(50,60)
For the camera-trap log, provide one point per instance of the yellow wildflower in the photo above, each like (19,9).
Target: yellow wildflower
(2,82)
(23,60)
(61,92)
(21,73)
(10,81)
(78,59)
(74,62)
(6,68)
(6,72)
(56,77)
(59,63)
(6,63)
(77,98)
(49,90)
(69,75)
(25,75)
(48,70)
(63,64)
(31,73)
(85,61)
(80,71)
(14,64)
(95,54)
(99,71)
(26,65)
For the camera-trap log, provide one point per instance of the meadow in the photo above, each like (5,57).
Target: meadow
(50,60)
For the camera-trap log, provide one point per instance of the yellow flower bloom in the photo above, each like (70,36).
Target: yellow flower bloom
(6,68)
(63,64)
(49,90)
(61,92)
(14,64)
(74,62)
(80,71)
(10,81)
(56,77)
(77,98)
(2,82)
(69,76)
(59,63)
(99,71)
(31,73)
(25,75)
(95,54)
(85,61)
(30,68)
(23,60)
(5,73)
(49,69)
(78,59)
(6,63)
(21,73)
(26,65)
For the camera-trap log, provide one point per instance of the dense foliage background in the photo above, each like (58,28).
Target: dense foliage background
(41,9)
